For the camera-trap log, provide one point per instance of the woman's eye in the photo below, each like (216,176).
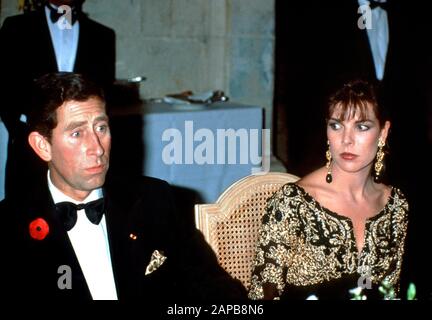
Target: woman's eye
(75,134)
(334,125)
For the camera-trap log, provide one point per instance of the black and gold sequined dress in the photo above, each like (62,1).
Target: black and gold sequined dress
(305,248)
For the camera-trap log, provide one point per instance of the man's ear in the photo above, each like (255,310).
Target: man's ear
(40,145)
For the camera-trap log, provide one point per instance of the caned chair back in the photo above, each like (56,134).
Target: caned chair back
(231,225)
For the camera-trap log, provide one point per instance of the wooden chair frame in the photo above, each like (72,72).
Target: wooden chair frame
(231,225)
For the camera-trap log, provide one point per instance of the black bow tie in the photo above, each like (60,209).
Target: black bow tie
(67,212)
(375,4)
(55,15)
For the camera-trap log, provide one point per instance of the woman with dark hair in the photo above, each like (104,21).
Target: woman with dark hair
(339,227)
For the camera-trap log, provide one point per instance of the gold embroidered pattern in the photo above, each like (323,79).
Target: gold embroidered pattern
(303,244)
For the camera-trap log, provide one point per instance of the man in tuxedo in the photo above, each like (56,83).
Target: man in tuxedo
(79,235)
(37,43)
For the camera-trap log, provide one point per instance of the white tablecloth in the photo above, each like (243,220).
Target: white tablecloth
(3,155)
(208,180)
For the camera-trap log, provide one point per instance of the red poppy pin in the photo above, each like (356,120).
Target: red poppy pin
(39,229)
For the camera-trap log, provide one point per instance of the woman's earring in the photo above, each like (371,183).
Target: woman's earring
(329,177)
(379,160)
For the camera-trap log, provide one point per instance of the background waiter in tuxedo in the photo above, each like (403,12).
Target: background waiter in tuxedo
(113,238)
(324,44)
(37,43)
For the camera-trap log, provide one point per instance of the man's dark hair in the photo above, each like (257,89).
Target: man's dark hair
(50,92)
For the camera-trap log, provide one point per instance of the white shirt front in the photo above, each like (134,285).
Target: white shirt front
(91,246)
(378,36)
(65,42)
(4,138)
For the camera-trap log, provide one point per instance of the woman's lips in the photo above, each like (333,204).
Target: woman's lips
(348,156)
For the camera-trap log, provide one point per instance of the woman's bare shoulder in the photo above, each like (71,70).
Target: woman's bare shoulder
(314,182)
(383,193)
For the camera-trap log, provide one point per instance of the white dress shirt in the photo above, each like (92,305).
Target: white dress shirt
(65,43)
(378,37)
(91,246)
(4,138)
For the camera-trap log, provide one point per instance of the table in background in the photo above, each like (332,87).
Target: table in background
(207,180)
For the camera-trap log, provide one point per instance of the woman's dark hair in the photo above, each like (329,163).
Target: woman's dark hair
(51,91)
(354,97)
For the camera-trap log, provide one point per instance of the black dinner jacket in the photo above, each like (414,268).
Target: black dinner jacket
(27,52)
(144,208)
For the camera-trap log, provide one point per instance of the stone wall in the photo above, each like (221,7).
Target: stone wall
(196,45)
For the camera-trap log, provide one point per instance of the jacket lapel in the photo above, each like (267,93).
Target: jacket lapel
(114,239)
(56,250)
(44,44)
(122,248)
(131,244)
(81,54)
